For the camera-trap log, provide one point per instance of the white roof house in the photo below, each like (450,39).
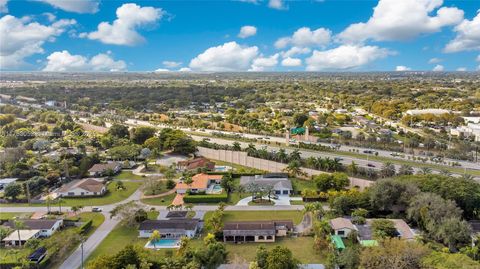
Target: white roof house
(434,111)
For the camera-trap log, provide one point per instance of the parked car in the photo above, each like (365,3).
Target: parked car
(370,165)
(96,209)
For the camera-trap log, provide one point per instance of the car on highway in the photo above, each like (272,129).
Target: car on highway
(371,165)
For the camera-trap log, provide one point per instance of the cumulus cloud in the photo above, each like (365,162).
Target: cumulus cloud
(435,61)
(276,4)
(23,38)
(162,70)
(438,68)
(171,64)
(402,20)
(291,62)
(402,68)
(62,61)
(468,36)
(184,69)
(461,69)
(3,6)
(78,6)
(227,57)
(304,37)
(123,31)
(247,31)
(345,57)
(264,63)
(295,51)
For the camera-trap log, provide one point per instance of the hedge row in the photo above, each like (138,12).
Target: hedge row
(207,198)
(85,227)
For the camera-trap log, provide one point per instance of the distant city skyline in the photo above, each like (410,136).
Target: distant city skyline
(245,35)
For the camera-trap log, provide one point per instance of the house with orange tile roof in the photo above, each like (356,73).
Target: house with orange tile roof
(200,183)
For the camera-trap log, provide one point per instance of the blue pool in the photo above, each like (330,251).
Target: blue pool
(163,243)
(217,188)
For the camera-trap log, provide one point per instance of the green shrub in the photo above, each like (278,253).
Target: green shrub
(207,198)
(85,227)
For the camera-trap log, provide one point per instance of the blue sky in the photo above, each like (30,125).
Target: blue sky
(329,35)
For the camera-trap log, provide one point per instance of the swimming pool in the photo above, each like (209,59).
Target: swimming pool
(163,243)
(217,188)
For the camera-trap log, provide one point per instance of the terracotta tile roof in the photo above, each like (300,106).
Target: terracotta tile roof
(200,181)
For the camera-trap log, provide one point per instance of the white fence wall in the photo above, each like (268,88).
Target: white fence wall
(241,158)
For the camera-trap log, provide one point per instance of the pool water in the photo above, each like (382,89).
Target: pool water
(163,243)
(217,188)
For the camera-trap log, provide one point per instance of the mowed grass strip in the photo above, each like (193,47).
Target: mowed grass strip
(294,215)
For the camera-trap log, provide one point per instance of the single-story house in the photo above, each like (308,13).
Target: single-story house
(280,182)
(342,227)
(365,232)
(100,169)
(33,229)
(200,183)
(195,164)
(256,231)
(170,228)
(83,187)
(4,182)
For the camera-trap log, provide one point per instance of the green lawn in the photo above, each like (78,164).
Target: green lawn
(296,202)
(11,215)
(113,196)
(295,216)
(301,184)
(239,168)
(165,200)
(128,175)
(301,247)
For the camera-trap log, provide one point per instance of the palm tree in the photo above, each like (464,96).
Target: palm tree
(336,164)
(445,172)
(294,168)
(236,146)
(19,225)
(352,168)
(282,155)
(425,170)
(388,170)
(48,200)
(60,201)
(295,155)
(251,150)
(467,177)
(155,237)
(405,169)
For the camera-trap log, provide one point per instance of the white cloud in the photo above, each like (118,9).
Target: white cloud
(435,61)
(3,6)
(402,68)
(264,63)
(78,6)
(461,69)
(304,37)
(438,68)
(23,38)
(345,57)
(295,51)
(402,20)
(50,16)
(62,61)
(184,69)
(468,36)
(276,4)
(227,57)
(247,31)
(291,62)
(171,64)
(123,31)
(162,70)
(478,58)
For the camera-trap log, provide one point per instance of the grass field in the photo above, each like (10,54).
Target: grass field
(113,196)
(128,175)
(165,200)
(11,215)
(301,247)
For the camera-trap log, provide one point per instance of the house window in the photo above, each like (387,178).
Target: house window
(285,192)
(278,192)
(341,232)
(82,193)
(71,193)
(95,193)
(269,237)
(261,237)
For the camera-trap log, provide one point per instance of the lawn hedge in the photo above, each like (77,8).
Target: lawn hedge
(85,227)
(205,198)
